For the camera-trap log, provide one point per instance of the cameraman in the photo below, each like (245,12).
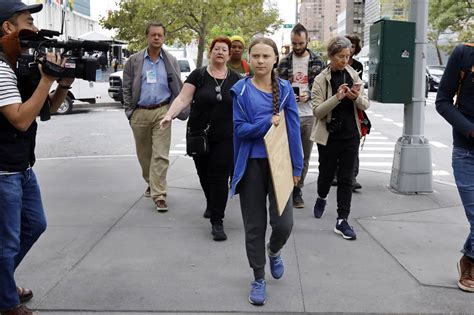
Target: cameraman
(22,219)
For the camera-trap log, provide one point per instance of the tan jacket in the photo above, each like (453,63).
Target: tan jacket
(322,107)
(132,82)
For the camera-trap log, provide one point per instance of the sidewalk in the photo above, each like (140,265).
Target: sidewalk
(107,250)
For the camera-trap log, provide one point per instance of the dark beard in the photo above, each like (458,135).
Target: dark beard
(297,54)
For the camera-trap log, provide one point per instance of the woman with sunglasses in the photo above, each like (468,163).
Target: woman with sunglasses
(207,91)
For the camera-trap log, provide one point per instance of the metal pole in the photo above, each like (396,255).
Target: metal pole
(412,171)
(296,11)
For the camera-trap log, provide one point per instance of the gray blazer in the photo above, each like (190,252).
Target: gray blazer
(132,79)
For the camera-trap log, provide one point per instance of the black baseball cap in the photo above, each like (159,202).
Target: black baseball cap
(10,7)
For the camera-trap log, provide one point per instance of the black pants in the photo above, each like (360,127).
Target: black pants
(338,154)
(214,171)
(254,188)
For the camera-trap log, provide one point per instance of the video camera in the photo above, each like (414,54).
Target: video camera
(77,65)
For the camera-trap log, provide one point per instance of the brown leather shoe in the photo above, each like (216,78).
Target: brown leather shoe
(466,274)
(161,205)
(19,310)
(24,294)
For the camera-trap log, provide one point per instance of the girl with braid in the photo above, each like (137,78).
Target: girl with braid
(257,103)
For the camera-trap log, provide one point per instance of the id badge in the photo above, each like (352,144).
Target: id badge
(150,76)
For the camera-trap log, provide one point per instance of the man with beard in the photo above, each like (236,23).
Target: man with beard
(300,67)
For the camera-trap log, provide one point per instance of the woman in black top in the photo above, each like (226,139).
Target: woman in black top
(207,90)
(336,96)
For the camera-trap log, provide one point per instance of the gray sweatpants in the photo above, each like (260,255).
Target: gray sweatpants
(254,188)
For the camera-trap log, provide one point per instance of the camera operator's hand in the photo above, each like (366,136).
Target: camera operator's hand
(53,58)
(65,81)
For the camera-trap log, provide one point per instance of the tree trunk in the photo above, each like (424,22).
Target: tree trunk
(201,46)
(438,53)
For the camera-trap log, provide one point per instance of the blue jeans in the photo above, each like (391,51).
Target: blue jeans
(22,221)
(463,167)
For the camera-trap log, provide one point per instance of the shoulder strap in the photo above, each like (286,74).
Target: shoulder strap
(246,67)
(200,80)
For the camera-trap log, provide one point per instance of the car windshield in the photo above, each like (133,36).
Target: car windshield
(184,66)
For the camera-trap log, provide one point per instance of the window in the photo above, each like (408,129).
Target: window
(184,66)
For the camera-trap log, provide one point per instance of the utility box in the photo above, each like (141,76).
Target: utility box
(391,61)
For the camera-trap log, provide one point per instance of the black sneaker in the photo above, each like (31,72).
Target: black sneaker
(298,198)
(207,214)
(345,230)
(319,207)
(356,184)
(218,232)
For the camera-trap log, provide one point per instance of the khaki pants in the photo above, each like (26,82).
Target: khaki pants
(153,147)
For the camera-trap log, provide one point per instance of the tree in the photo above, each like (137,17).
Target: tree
(319,47)
(186,20)
(450,17)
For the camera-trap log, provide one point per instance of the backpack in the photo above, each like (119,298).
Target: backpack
(468,48)
(246,67)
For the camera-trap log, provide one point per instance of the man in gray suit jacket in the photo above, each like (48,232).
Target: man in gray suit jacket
(151,81)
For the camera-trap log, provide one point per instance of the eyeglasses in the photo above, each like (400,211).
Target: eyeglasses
(219,93)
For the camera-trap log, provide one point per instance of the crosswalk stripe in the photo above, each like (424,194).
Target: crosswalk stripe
(438,144)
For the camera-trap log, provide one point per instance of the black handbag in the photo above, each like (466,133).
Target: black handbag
(197,142)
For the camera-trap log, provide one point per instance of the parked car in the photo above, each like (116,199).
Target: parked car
(186,66)
(435,73)
(81,90)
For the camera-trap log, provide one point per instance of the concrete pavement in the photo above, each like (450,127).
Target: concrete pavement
(106,249)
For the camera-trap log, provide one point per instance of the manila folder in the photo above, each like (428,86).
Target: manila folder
(278,152)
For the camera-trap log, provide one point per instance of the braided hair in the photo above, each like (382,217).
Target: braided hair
(275,82)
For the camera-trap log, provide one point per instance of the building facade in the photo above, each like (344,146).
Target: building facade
(77,20)
(320,17)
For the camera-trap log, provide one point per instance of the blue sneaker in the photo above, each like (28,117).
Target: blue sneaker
(319,207)
(257,294)
(345,230)
(276,263)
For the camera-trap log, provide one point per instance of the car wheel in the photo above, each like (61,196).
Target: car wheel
(66,106)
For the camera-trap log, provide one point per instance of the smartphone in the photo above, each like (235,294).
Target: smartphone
(296,90)
(356,86)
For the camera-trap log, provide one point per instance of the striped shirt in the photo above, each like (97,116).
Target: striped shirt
(9,93)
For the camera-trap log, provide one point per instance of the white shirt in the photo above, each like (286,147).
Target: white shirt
(301,80)
(9,93)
